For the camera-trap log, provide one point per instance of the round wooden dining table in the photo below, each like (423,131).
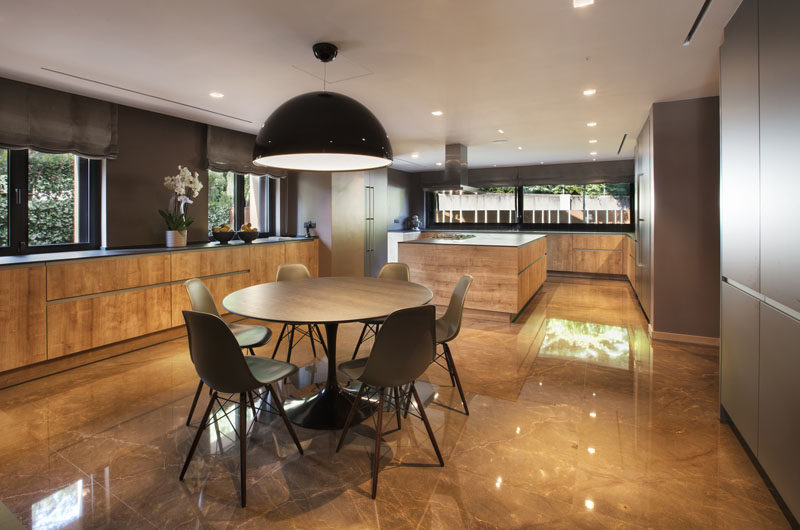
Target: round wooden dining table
(327,301)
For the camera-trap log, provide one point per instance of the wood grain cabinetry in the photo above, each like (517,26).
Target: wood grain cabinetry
(77,278)
(305,252)
(199,263)
(85,323)
(22,313)
(95,306)
(264,262)
(588,253)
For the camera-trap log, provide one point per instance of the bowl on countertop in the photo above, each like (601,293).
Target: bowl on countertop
(248,237)
(223,237)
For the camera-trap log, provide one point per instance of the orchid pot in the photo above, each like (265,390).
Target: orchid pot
(176,216)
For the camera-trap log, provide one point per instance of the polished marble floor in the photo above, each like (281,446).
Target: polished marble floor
(577,420)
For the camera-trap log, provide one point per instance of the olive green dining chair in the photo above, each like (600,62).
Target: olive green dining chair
(221,365)
(404,348)
(447,329)
(390,271)
(289,272)
(247,335)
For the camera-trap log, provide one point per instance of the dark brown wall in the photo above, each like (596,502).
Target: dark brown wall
(686,224)
(405,197)
(151,146)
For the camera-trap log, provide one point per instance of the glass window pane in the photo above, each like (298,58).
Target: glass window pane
(3,198)
(488,205)
(255,203)
(53,202)
(220,199)
(577,204)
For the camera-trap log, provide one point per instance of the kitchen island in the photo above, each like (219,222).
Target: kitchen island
(508,269)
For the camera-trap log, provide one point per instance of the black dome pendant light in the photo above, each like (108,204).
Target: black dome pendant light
(322,131)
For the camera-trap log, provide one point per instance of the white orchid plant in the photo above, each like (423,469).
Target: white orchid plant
(175,216)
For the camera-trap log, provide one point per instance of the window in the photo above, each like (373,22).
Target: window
(589,207)
(577,204)
(487,206)
(235,199)
(48,202)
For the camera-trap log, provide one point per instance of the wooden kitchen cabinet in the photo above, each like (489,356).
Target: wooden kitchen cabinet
(22,313)
(587,253)
(199,263)
(76,278)
(264,262)
(305,252)
(559,252)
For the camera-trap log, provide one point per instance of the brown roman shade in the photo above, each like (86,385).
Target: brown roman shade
(229,150)
(611,171)
(51,121)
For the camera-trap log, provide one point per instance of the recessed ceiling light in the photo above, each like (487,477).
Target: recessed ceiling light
(519,147)
(500,131)
(592,141)
(592,124)
(216,95)
(582,3)
(438,163)
(589,92)
(414,155)
(437,113)
(593,153)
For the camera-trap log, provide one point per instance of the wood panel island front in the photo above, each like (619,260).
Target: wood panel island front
(508,269)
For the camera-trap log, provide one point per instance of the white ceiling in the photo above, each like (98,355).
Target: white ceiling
(516,65)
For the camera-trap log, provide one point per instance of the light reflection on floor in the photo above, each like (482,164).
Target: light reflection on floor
(58,509)
(587,341)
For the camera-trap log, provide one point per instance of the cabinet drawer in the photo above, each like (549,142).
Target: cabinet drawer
(78,325)
(195,264)
(22,314)
(65,280)
(598,242)
(598,261)
(559,252)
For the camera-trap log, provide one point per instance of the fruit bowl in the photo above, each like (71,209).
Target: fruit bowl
(248,237)
(223,237)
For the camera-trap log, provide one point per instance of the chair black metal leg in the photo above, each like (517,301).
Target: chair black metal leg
(351,415)
(200,430)
(252,404)
(194,401)
(280,338)
(396,391)
(311,338)
(427,425)
(377,446)
(449,367)
(360,340)
(321,339)
(408,403)
(279,406)
(251,350)
(452,364)
(243,446)
(291,344)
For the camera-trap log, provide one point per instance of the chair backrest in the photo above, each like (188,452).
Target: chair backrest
(404,348)
(455,310)
(200,297)
(292,271)
(216,354)
(394,271)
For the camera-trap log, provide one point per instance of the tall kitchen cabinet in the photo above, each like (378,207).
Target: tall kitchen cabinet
(677,220)
(760,237)
(376,221)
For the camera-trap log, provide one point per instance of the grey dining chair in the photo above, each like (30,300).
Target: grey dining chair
(288,272)
(247,335)
(390,271)
(404,348)
(221,365)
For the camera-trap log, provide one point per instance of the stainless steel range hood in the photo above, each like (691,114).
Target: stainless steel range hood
(455,172)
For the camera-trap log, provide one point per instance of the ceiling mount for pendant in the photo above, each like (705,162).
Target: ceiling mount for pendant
(325,51)
(322,131)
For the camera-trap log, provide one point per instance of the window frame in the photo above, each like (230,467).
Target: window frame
(533,227)
(90,187)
